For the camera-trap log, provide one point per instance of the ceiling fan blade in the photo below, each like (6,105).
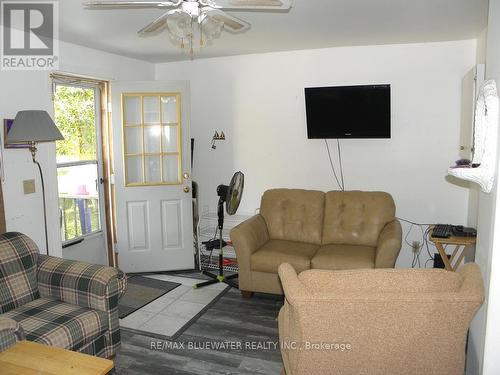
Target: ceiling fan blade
(157,25)
(231,23)
(131,4)
(248,4)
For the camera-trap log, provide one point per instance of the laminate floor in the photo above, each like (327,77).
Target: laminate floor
(235,336)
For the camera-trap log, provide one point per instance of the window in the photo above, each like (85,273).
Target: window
(78,159)
(151,133)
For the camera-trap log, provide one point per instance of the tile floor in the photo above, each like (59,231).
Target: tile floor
(171,312)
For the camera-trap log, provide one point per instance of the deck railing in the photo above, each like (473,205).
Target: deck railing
(79,215)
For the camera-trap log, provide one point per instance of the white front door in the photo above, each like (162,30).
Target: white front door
(151,145)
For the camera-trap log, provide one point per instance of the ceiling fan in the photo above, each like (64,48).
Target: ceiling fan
(188,20)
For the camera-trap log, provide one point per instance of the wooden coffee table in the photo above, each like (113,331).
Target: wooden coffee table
(29,358)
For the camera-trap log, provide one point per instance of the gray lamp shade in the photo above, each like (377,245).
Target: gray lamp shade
(33,126)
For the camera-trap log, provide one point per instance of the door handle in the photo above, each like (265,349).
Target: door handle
(186,189)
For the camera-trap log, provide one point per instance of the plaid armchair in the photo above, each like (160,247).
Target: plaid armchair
(57,302)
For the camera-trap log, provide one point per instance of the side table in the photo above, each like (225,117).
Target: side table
(462,246)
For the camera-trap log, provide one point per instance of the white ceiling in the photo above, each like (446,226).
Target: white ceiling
(309,24)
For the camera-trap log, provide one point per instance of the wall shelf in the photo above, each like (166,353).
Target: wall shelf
(485,140)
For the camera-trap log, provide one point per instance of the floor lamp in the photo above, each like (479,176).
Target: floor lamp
(33,127)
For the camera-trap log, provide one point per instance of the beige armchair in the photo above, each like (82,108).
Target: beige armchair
(387,322)
(312,229)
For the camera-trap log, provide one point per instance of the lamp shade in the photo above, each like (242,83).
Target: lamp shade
(33,126)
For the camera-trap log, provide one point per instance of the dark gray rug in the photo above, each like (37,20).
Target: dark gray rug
(141,291)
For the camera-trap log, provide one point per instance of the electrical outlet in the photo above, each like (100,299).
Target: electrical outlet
(29,187)
(415,246)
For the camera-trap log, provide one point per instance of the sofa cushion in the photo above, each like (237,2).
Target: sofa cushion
(55,323)
(18,267)
(343,257)
(293,215)
(274,252)
(356,218)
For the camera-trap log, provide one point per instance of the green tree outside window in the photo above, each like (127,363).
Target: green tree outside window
(75,118)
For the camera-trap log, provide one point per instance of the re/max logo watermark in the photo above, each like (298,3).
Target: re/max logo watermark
(30,33)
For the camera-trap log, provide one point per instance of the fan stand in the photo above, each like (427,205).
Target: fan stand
(220,278)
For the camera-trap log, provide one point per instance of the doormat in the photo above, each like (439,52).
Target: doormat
(142,291)
(167,317)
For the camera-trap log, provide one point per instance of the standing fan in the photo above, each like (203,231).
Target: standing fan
(231,195)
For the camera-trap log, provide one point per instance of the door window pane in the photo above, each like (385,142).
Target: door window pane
(152,146)
(153,173)
(132,110)
(134,169)
(133,140)
(151,110)
(169,109)
(76,114)
(78,200)
(170,139)
(74,110)
(171,169)
(152,135)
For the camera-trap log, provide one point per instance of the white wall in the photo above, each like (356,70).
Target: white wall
(485,330)
(492,339)
(32,90)
(476,334)
(258,101)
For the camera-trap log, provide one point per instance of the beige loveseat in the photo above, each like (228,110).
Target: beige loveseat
(312,229)
(377,322)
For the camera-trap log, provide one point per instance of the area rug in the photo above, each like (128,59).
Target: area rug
(168,316)
(142,291)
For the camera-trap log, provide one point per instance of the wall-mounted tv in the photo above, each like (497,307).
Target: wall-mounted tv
(348,112)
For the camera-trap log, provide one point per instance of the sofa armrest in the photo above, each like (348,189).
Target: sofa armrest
(473,283)
(248,237)
(294,289)
(79,283)
(389,245)
(10,333)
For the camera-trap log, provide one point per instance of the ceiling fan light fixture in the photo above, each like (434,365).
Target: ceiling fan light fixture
(179,25)
(192,32)
(191,7)
(211,28)
(194,20)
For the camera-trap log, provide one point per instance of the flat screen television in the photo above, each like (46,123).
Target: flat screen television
(348,112)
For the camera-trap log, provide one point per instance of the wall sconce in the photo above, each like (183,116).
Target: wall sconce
(218,137)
